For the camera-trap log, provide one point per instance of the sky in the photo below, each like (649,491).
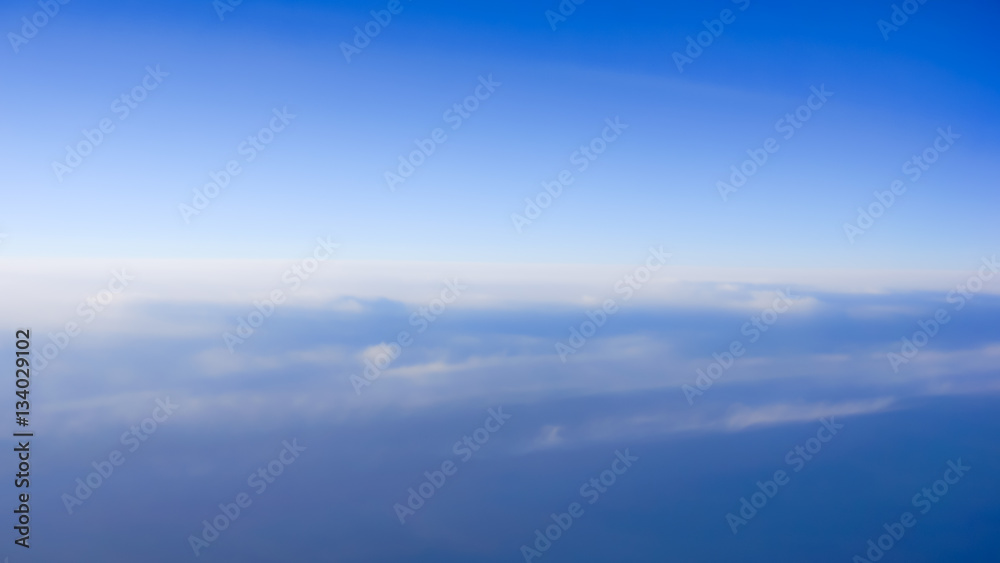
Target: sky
(325,173)
(340,253)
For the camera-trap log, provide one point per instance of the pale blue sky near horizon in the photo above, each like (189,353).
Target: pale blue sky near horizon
(324,174)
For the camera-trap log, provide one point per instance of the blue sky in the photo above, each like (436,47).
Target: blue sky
(656,184)
(264,100)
